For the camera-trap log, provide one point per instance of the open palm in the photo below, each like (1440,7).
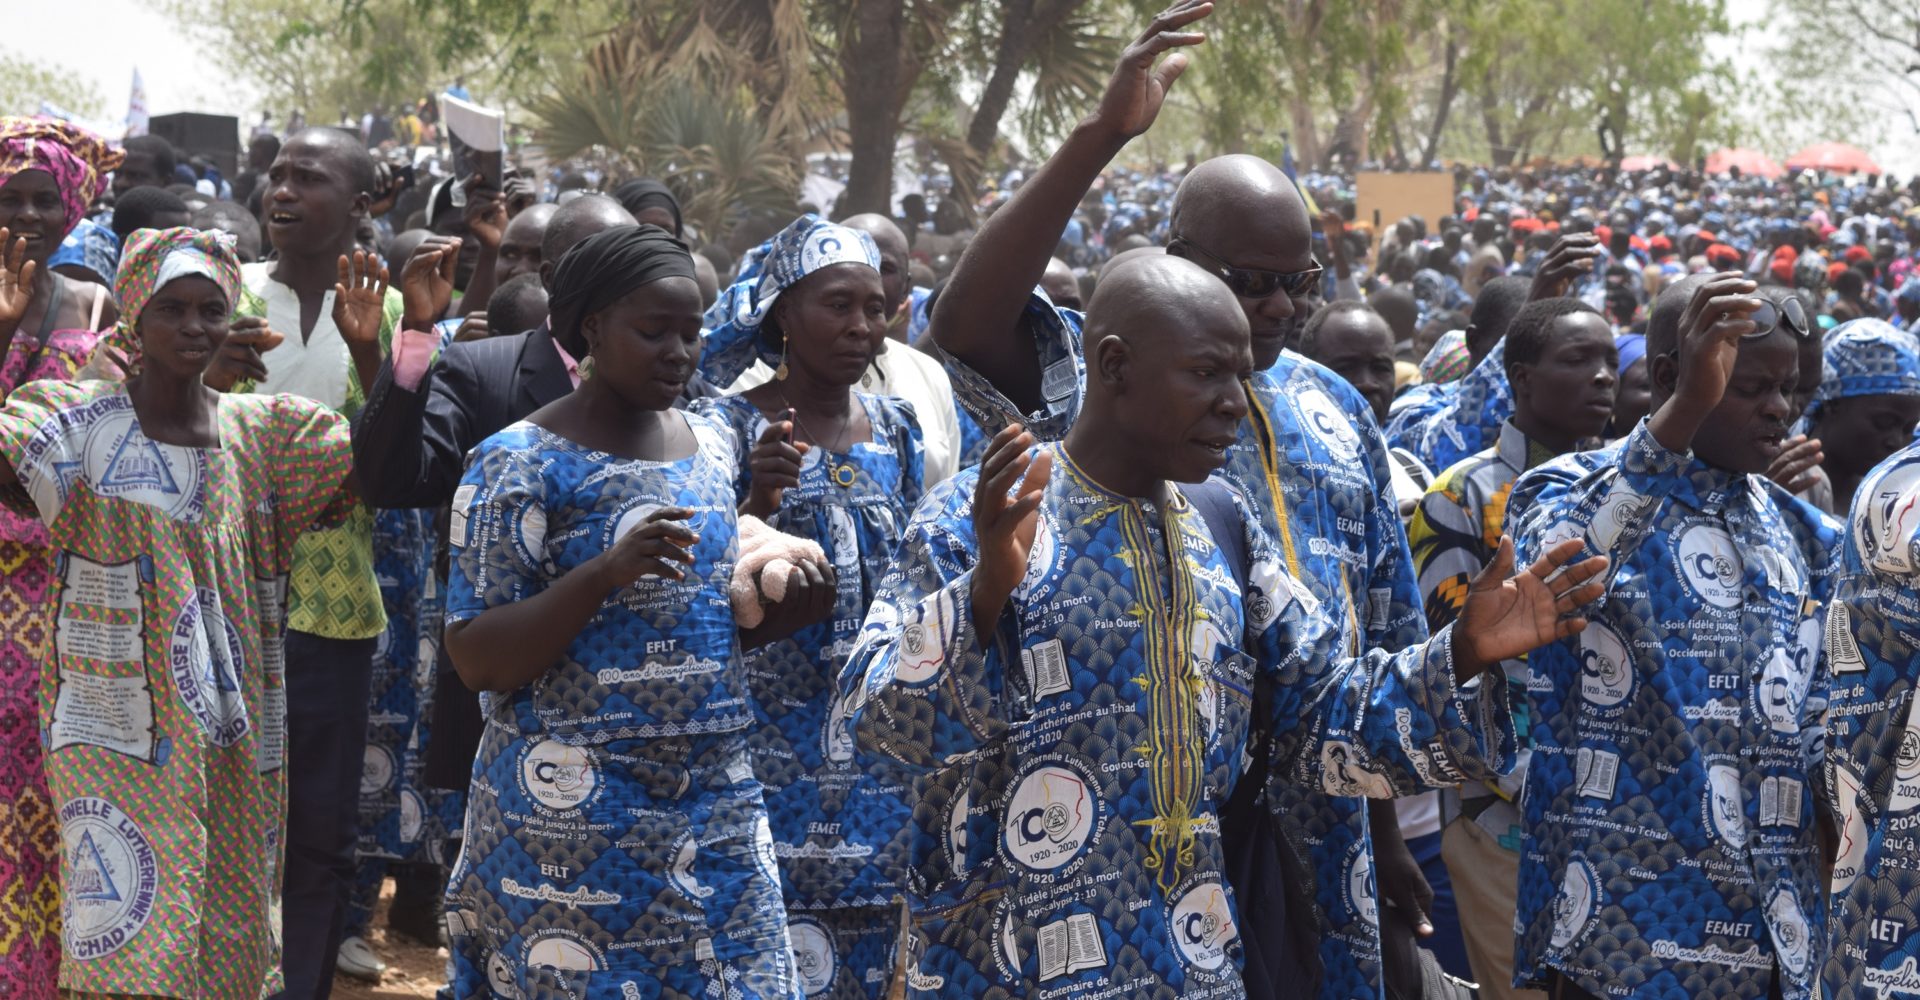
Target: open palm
(1511,615)
(16,280)
(360,298)
(1138,88)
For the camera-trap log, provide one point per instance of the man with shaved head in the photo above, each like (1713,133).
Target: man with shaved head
(1076,790)
(1308,459)
(898,370)
(1062,288)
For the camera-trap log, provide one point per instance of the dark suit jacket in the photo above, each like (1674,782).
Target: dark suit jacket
(410,449)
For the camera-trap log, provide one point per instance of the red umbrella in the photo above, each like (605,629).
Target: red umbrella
(1750,161)
(1637,163)
(1835,156)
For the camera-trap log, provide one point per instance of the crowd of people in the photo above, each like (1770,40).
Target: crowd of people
(1167,586)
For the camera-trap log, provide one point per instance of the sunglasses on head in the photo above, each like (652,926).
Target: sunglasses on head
(1792,316)
(1248,282)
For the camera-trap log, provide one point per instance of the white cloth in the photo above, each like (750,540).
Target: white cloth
(907,374)
(316,366)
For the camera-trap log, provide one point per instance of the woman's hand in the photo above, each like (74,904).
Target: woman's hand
(16,281)
(661,546)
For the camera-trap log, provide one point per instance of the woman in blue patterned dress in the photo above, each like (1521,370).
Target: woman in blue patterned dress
(616,841)
(842,468)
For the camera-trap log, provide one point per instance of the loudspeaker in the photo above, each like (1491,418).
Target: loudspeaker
(216,137)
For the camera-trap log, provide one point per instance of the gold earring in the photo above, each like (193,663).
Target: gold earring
(585,368)
(780,373)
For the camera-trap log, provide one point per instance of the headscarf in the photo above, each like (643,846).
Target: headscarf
(1448,360)
(154,257)
(733,323)
(645,193)
(1866,357)
(1632,347)
(598,270)
(77,159)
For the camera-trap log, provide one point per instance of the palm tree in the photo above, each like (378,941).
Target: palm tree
(718,122)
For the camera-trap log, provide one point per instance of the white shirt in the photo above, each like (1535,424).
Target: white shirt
(315,367)
(907,374)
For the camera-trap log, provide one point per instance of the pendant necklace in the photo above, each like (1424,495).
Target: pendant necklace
(842,473)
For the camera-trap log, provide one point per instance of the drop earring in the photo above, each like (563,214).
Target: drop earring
(585,368)
(781,373)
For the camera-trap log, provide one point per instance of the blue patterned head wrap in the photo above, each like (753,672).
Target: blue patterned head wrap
(733,322)
(1867,357)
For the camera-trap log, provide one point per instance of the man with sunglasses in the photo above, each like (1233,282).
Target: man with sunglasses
(1673,791)
(1309,458)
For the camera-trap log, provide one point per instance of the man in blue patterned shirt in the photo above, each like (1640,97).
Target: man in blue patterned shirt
(1670,847)
(1065,633)
(1308,459)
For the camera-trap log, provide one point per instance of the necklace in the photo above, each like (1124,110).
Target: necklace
(842,473)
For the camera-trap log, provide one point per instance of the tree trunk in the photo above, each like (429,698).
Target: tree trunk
(870,62)
(1449,88)
(1017,27)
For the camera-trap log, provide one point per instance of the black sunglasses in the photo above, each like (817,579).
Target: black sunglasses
(1792,316)
(1248,282)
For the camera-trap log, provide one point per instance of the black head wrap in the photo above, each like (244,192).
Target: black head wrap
(646,193)
(607,265)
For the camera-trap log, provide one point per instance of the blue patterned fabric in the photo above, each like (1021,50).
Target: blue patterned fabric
(1311,464)
(91,245)
(918,315)
(1873,745)
(402,817)
(1670,845)
(1066,833)
(1866,357)
(840,826)
(732,336)
(1456,420)
(617,841)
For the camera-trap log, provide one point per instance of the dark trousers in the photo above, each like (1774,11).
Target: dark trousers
(328,682)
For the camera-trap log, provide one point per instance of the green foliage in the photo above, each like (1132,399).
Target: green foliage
(640,110)
(332,56)
(25,82)
(1865,89)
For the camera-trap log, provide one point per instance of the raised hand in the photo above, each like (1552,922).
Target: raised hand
(1004,522)
(1571,256)
(1718,315)
(16,279)
(1509,615)
(474,327)
(426,282)
(239,355)
(775,464)
(360,298)
(1138,88)
(485,213)
(660,546)
(520,193)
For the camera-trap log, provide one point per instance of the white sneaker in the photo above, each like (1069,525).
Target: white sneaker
(357,959)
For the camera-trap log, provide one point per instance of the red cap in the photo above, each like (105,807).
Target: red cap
(1660,244)
(1782,266)
(1856,254)
(1723,255)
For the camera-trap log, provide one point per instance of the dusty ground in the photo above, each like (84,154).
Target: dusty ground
(413,970)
